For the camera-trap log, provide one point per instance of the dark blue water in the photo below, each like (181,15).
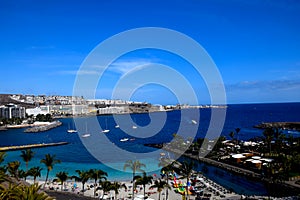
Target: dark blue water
(76,156)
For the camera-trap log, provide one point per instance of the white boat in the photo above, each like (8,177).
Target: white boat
(194,121)
(71,130)
(124,139)
(134,127)
(86,135)
(105,130)
(117,126)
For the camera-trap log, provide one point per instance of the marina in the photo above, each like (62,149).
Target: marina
(231,177)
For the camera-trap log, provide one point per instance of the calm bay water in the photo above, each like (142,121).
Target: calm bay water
(75,156)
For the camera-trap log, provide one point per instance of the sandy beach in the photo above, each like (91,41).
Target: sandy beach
(210,190)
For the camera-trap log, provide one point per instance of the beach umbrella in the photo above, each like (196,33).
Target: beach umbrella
(256,157)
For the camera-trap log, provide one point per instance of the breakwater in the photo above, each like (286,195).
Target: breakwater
(3,128)
(285,188)
(227,167)
(31,146)
(281,125)
(45,127)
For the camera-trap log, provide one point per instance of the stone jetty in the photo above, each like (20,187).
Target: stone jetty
(44,127)
(31,146)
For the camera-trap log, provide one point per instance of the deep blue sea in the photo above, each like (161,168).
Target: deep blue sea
(110,150)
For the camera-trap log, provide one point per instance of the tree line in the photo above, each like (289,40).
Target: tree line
(11,177)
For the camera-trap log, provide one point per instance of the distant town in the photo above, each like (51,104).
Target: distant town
(15,107)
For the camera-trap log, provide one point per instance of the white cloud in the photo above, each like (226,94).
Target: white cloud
(78,72)
(42,47)
(119,68)
(267,85)
(125,66)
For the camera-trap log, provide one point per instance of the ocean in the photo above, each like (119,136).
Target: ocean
(85,153)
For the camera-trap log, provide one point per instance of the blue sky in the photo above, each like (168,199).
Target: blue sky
(255,45)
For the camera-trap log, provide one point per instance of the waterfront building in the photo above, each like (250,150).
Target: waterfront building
(43,110)
(10,111)
(111,110)
(69,109)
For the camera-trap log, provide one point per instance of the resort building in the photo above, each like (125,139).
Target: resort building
(10,111)
(43,110)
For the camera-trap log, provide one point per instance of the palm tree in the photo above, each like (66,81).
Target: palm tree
(160,185)
(27,156)
(2,156)
(167,170)
(22,174)
(35,172)
(62,177)
(106,187)
(134,167)
(143,180)
(97,174)
(8,193)
(83,177)
(269,135)
(279,138)
(3,177)
(186,169)
(116,186)
(231,134)
(13,168)
(49,162)
(30,192)
(237,131)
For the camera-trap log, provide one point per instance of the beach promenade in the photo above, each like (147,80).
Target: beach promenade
(212,191)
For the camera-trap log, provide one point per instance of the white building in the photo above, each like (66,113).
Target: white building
(12,111)
(111,110)
(43,110)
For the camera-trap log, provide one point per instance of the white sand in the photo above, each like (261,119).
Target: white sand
(126,194)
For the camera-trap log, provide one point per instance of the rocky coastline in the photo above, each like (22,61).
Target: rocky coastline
(281,125)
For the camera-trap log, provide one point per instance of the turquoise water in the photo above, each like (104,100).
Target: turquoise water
(75,155)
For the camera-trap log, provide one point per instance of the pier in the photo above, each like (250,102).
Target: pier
(31,146)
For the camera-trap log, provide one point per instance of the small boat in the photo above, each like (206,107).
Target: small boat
(105,130)
(132,139)
(117,126)
(86,135)
(133,126)
(124,139)
(71,131)
(194,121)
